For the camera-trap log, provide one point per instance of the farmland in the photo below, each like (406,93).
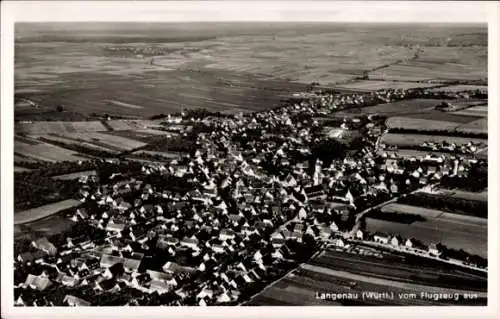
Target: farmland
(334,272)
(411,140)
(418,124)
(457,193)
(231,68)
(45,152)
(77,175)
(396,108)
(461,88)
(41,212)
(452,230)
(374,85)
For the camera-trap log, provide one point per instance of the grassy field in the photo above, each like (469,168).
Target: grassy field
(378,85)
(58,127)
(409,140)
(73,176)
(461,88)
(225,67)
(334,272)
(46,152)
(418,124)
(41,212)
(397,108)
(452,230)
(458,193)
(477,126)
(455,117)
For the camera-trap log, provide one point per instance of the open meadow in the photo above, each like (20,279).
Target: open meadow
(160,68)
(346,273)
(452,230)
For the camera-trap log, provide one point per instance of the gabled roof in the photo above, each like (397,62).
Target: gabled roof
(75,301)
(129,264)
(39,283)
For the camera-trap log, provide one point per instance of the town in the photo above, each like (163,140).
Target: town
(254,196)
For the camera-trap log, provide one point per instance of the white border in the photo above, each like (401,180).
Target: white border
(15,11)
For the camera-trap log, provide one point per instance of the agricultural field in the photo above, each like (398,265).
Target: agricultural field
(139,135)
(46,152)
(399,122)
(481,110)
(458,193)
(231,68)
(455,117)
(445,70)
(112,142)
(397,108)
(44,127)
(71,141)
(412,140)
(73,176)
(460,88)
(452,230)
(374,85)
(478,126)
(335,272)
(41,212)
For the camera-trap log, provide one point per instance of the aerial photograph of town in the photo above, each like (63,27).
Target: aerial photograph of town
(250,164)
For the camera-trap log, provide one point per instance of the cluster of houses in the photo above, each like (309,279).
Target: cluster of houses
(231,229)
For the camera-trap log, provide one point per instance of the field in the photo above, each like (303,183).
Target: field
(396,108)
(461,88)
(106,140)
(418,124)
(374,85)
(75,175)
(475,111)
(41,212)
(334,272)
(409,140)
(441,69)
(457,193)
(45,152)
(42,127)
(452,230)
(478,126)
(226,67)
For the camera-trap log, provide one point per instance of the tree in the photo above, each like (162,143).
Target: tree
(60,108)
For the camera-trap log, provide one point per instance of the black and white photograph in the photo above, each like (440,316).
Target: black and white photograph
(282,153)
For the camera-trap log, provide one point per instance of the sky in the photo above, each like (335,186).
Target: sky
(178,11)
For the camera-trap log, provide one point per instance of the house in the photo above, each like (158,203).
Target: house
(409,243)
(174,268)
(130,265)
(45,245)
(115,227)
(395,241)
(73,301)
(359,235)
(226,234)
(37,282)
(433,250)
(190,242)
(338,242)
(278,242)
(31,256)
